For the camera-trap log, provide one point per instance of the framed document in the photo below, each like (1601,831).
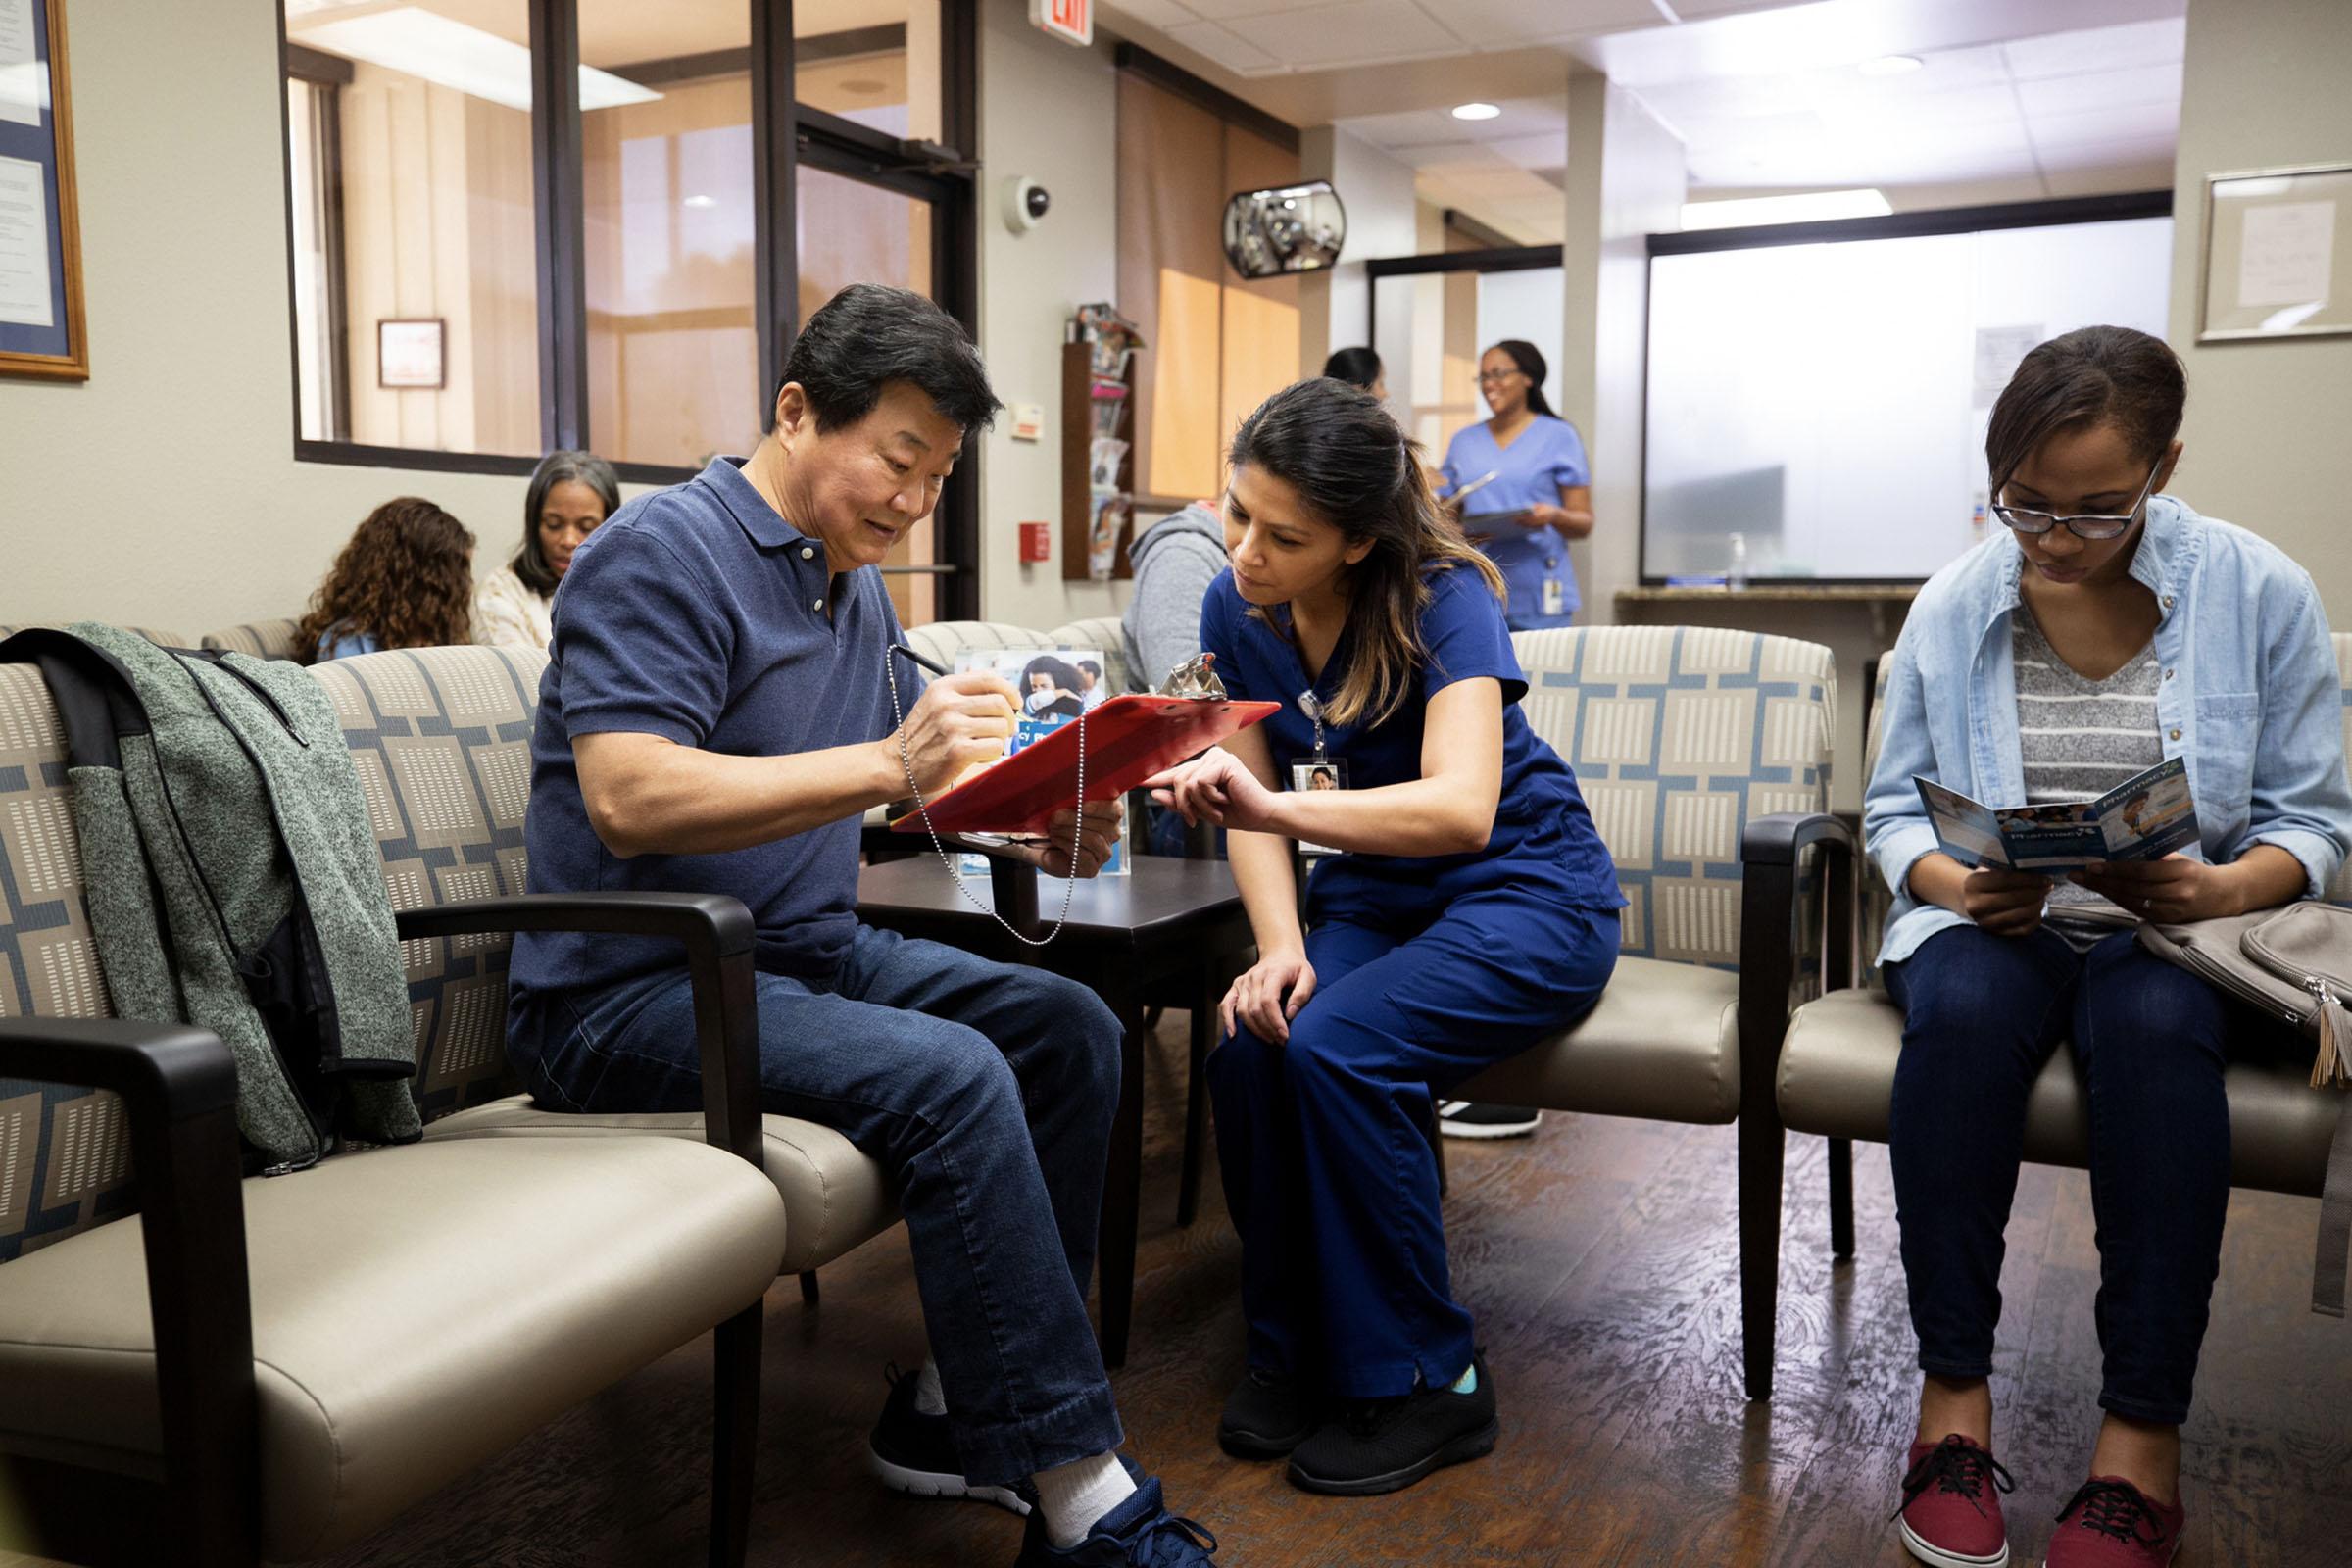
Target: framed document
(409,353)
(42,329)
(2277,253)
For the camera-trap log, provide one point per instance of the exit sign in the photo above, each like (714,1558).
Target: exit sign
(1072,20)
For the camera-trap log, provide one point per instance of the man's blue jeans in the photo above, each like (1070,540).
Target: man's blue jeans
(987,1092)
(1981,1014)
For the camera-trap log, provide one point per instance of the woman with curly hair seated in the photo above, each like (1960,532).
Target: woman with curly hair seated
(405,580)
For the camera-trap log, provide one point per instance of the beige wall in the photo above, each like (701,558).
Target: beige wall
(1047,110)
(164,491)
(2266,87)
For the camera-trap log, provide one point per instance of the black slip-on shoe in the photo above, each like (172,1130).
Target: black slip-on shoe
(1266,1416)
(1381,1445)
(915,1453)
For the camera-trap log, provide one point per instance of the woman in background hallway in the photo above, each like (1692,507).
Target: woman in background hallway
(1540,493)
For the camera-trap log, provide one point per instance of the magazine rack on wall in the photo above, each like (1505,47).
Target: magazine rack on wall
(1098,455)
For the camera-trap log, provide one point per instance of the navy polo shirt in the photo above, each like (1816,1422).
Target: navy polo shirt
(699,614)
(1543,840)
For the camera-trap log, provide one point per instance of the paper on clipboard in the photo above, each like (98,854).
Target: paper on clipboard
(1127,738)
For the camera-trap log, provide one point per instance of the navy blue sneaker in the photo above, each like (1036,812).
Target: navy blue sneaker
(915,1453)
(1139,1533)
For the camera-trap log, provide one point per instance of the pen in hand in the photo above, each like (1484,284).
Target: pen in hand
(913,657)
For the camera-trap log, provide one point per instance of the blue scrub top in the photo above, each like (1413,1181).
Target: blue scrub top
(1543,840)
(1546,457)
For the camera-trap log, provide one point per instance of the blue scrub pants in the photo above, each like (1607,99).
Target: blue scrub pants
(1330,1177)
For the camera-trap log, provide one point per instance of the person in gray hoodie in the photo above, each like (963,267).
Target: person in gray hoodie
(1175,560)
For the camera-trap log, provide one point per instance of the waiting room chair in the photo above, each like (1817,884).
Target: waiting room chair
(1836,1075)
(271,1367)
(1704,758)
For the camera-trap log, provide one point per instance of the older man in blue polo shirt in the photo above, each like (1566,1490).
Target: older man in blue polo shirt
(716,717)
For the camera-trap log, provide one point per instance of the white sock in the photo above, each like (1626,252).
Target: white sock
(929,1397)
(1075,1496)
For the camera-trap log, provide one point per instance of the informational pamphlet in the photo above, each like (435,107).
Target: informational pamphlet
(1056,685)
(2143,818)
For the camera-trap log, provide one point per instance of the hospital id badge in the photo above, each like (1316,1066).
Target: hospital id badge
(1555,597)
(1318,773)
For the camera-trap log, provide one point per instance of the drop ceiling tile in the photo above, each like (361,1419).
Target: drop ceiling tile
(1486,24)
(1534,152)
(1358,30)
(2132,122)
(2105,90)
(1153,13)
(1233,54)
(2099,154)
(1416,128)
(1692,10)
(1960,110)
(2107,179)
(1225,10)
(2160,42)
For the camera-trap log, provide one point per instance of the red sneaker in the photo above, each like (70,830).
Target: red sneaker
(2112,1524)
(1951,1510)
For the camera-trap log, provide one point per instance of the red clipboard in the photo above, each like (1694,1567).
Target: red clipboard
(1128,739)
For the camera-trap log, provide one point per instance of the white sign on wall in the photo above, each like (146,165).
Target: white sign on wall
(1069,20)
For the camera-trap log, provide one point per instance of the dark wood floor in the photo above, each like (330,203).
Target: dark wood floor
(1598,1258)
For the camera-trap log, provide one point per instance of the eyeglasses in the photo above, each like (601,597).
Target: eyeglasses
(2083,525)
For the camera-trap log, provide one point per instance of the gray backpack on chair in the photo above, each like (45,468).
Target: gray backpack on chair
(231,880)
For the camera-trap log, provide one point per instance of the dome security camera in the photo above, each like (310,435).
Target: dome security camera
(1026,203)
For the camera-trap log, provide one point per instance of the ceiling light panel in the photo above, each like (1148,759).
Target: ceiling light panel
(450,54)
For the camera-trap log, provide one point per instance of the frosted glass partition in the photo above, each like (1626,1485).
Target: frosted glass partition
(1828,401)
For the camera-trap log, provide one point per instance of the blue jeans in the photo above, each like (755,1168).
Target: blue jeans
(1327,1169)
(1981,1014)
(986,1091)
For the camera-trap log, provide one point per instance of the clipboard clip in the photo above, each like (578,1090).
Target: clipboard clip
(1194,678)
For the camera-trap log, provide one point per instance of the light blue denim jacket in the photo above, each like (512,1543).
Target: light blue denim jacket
(2250,697)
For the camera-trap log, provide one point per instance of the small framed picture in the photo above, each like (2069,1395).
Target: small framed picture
(409,354)
(2277,253)
(1318,773)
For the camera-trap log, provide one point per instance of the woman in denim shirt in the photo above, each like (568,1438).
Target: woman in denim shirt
(2113,627)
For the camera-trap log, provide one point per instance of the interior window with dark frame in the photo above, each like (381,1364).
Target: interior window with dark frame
(415,289)
(874,62)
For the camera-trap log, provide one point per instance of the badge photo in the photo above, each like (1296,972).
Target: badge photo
(1318,773)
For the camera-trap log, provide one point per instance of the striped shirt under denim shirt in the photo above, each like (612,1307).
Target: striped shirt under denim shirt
(2080,738)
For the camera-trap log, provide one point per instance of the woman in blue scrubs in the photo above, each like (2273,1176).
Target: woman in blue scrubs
(1470,911)
(1541,496)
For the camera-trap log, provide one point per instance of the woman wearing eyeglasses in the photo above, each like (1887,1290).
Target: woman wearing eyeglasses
(2111,627)
(1525,488)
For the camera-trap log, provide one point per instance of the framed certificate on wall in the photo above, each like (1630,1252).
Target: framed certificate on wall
(42,329)
(2277,253)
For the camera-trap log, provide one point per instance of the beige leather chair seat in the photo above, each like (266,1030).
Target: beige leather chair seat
(1838,1073)
(1663,1044)
(415,1311)
(834,1197)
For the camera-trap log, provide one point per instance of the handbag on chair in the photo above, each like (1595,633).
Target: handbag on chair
(2293,963)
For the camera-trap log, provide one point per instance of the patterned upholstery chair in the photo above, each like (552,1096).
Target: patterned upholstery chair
(1837,1066)
(263,639)
(1694,747)
(442,742)
(941,640)
(154,634)
(302,1358)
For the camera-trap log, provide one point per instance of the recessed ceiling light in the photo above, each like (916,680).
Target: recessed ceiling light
(450,54)
(1475,111)
(1890,64)
(698,202)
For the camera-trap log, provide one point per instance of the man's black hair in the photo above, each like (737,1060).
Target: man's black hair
(867,336)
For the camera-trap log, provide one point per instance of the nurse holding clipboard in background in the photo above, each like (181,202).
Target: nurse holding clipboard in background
(1524,471)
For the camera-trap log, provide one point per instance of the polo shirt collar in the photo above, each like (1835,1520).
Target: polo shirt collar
(749,508)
